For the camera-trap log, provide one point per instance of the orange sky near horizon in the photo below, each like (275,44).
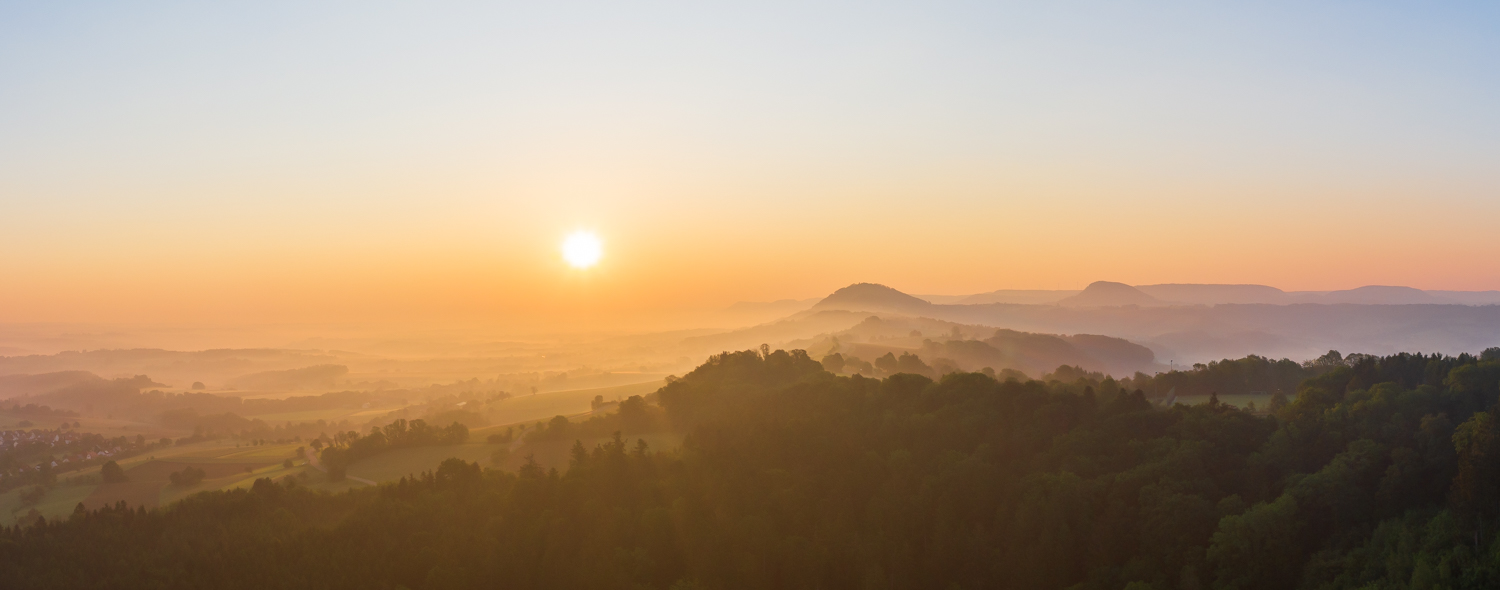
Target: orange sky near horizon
(404,165)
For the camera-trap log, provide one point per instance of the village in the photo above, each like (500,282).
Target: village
(38,455)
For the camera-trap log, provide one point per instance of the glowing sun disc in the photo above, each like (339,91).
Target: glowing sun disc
(582,249)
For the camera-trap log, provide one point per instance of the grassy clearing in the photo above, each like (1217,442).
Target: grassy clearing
(394,465)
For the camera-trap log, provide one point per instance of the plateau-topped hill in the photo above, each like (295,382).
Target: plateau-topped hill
(1109,294)
(1382,295)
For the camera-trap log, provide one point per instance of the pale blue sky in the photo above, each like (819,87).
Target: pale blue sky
(263,131)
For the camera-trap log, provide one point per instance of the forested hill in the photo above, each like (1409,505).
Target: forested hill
(1380,475)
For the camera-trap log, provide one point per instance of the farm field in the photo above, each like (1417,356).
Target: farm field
(58,502)
(149,481)
(544,406)
(230,464)
(224,450)
(223,462)
(601,381)
(330,415)
(243,480)
(108,427)
(395,464)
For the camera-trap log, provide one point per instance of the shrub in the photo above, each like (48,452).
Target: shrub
(189,476)
(112,473)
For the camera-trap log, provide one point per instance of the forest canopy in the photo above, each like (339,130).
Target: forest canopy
(1377,473)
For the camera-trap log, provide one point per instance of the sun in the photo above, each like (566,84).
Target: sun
(582,249)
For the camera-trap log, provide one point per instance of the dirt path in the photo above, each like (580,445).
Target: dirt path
(515,444)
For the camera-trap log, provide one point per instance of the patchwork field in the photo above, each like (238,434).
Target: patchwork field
(224,464)
(228,464)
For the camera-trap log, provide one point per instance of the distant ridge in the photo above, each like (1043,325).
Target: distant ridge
(1018,296)
(16,385)
(1210,294)
(1110,294)
(872,297)
(876,297)
(1470,297)
(1382,295)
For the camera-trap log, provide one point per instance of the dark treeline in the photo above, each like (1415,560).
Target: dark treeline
(37,412)
(1260,375)
(1249,375)
(1383,474)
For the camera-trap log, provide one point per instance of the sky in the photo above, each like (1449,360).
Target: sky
(383,162)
